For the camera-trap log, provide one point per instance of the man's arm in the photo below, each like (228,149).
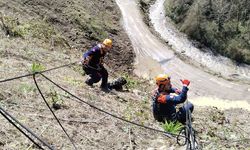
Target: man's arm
(176,99)
(175,90)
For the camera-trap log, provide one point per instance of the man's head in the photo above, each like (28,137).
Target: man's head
(163,82)
(107,44)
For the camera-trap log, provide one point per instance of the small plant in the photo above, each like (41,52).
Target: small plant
(26,88)
(56,99)
(131,83)
(128,113)
(172,127)
(37,67)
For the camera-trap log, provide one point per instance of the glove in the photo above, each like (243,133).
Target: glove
(162,99)
(185,82)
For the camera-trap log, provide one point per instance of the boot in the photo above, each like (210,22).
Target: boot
(89,83)
(105,88)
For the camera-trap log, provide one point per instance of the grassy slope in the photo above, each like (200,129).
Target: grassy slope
(29,40)
(66,26)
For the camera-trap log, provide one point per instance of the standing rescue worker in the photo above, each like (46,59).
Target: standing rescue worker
(164,104)
(92,62)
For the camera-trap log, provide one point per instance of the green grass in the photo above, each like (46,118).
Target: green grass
(73,81)
(34,29)
(172,127)
(131,83)
(128,113)
(37,67)
(26,88)
(78,68)
(41,30)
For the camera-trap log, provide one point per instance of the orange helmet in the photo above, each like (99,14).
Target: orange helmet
(162,79)
(107,42)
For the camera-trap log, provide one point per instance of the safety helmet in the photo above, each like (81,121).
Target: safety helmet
(108,43)
(162,79)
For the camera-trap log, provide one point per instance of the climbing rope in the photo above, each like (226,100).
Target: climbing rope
(18,125)
(108,113)
(39,90)
(190,140)
(170,135)
(31,74)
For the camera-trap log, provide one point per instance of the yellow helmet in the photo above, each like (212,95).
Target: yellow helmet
(108,43)
(162,79)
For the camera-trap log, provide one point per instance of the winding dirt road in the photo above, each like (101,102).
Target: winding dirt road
(154,57)
(180,43)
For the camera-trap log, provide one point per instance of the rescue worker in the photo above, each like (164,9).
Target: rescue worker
(164,103)
(92,62)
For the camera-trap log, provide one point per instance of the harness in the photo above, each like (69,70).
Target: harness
(160,111)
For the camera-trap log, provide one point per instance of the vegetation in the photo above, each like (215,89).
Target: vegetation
(220,24)
(25,88)
(172,127)
(36,67)
(34,28)
(39,29)
(131,83)
(56,99)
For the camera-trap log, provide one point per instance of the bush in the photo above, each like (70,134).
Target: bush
(172,127)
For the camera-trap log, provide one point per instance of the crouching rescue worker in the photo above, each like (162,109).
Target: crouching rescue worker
(92,62)
(164,104)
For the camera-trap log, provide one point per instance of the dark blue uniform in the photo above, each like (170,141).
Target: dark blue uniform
(94,67)
(167,111)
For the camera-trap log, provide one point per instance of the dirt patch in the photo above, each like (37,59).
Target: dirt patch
(222,129)
(76,25)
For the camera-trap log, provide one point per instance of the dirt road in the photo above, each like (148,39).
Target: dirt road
(180,43)
(152,53)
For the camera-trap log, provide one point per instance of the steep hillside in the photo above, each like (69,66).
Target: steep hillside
(43,34)
(222,25)
(67,27)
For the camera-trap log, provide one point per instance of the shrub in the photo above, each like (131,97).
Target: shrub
(37,67)
(172,127)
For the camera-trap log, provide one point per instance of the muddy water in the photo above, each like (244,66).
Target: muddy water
(180,43)
(154,57)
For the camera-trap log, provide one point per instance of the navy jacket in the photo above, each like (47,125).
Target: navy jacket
(167,110)
(96,56)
